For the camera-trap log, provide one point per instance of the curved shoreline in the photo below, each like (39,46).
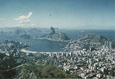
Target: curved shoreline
(51,39)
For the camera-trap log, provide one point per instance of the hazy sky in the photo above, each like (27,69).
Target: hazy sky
(71,14)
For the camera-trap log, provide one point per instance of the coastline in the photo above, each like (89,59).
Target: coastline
(52,40)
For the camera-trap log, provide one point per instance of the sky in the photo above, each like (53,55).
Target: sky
(66,14)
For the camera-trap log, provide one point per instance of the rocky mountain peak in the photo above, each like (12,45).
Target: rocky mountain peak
(52,30)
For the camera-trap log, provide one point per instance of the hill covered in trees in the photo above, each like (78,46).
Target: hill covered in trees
(35,71)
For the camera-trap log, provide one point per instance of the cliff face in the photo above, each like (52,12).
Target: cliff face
(52,30)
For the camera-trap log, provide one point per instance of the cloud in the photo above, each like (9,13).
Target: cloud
(24,19)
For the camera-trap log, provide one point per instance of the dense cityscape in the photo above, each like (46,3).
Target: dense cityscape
(57,39)
(87,57)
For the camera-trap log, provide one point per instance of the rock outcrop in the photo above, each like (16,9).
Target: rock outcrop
(52,30)
(55,36)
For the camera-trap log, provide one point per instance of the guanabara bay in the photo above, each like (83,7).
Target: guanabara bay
(57,39)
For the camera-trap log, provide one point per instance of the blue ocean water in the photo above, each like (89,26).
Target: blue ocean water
(51,46)
(36,45)
(75,34)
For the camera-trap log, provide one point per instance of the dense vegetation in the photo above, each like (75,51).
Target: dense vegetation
(6,63)
(35,71)
(10,69)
